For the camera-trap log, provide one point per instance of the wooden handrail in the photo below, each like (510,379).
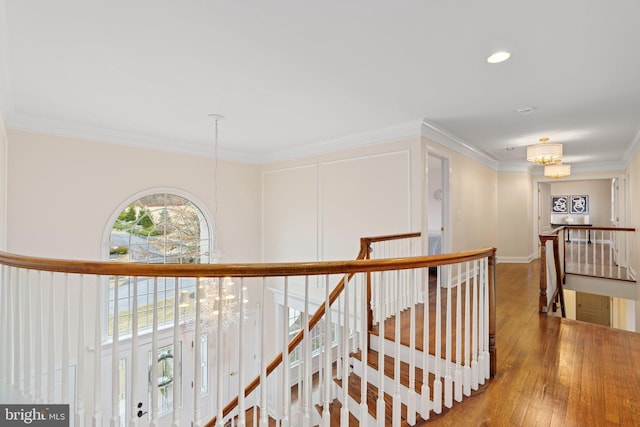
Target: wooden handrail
(235,270)
(297,339)
(558,293)
(362,258)
(360,265)
(587,227)
(553,236)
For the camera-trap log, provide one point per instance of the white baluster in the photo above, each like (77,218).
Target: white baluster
(437,382)
(411,399)
(458,371)
(448,378)
(380,405)
(80,375)
(481,325)
(306,350)
(286,366)
(595,246)
(577,246)
(364,340)
(487,358)
(197,351)
(133,396)
(397,400)
(344,414)
(177,354)
(601,251)
(26,337)
(66,331)
(425,391)
(51,343)
(38,335)
(96,420)
(263,359)
(339,325)
(219,361)
(474,329)
(326,417)
(154,357)
(115,360)
(241,397)
(467,332)
(17,333)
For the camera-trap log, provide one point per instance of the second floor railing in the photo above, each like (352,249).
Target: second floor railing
(602,252)
(74,333)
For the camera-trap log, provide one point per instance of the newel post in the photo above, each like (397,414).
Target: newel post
(542,301)
(493,363)
(365,252)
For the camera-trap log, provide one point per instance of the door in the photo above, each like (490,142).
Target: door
(593,308)
(437,203)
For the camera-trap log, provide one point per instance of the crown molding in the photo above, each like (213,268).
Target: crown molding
(360,139)
(632,150)
(460,146)
(515,167)
(93,133)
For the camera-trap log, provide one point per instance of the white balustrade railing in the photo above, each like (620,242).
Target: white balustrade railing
(599,251)
(55,328)
(602,252)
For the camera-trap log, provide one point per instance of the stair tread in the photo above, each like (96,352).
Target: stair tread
(372,397)
(389,368)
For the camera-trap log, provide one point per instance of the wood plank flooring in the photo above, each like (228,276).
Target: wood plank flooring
(551,371)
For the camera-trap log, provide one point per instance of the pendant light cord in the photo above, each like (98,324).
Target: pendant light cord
(216,119)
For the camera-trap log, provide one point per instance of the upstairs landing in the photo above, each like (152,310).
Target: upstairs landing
(551,371)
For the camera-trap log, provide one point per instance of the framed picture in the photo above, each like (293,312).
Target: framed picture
(579,205)
(559,204)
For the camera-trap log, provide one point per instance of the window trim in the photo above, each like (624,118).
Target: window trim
(106,235)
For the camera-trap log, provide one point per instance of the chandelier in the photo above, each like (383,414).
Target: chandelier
(558,170)
(217,297)
(544,153)
(218,300)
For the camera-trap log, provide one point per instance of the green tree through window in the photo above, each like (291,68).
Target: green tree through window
(159,228)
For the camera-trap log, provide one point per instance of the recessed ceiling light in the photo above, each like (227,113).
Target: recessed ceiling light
(498,57)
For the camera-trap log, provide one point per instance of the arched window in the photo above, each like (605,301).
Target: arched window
(157,228)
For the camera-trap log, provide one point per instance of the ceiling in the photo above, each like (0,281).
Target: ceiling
(297,77)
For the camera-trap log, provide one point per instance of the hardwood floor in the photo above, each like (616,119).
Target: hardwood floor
(551,371)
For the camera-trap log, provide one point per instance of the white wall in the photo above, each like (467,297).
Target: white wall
(633,200)
(63,192)
(3,183)
(473,192)
(515,216)
(317,208)
(599,192)
(434,183)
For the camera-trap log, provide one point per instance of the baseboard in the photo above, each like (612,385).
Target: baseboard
(515,259)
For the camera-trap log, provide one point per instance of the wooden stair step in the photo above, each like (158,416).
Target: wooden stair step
(389,368)
(355,391)
(335,409)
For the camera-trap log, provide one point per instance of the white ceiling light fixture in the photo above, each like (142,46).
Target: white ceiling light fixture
(498,57)
(544,153)
(558,170)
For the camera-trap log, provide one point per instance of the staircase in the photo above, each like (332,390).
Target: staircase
(410,398)
(409,344)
